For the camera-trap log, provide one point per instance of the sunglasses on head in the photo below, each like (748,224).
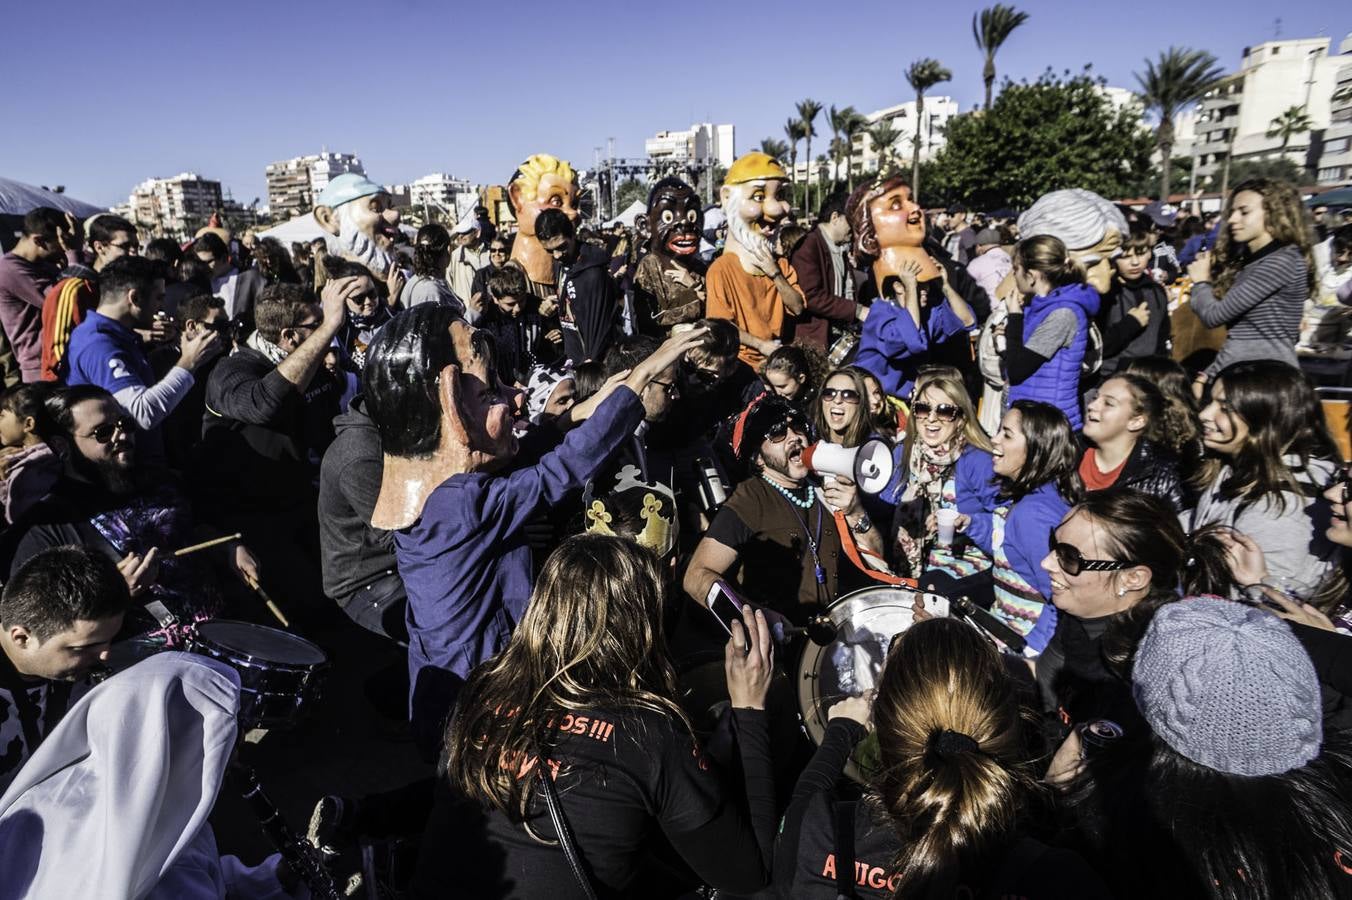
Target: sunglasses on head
(846,395)
(778,432)
(104,433)
(944,412)
(1072,561)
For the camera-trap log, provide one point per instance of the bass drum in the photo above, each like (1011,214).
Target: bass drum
(866,622)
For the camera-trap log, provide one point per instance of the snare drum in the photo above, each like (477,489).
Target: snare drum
(280,674)
(850,666)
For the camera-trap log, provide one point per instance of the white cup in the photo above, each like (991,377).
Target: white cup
(947,521)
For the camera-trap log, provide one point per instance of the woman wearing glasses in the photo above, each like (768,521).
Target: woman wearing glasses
(842,416)
(1035,461)
(947,465)
(1133,440)
(1269,457)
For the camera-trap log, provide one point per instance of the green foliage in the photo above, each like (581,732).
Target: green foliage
(775,149)
(1279,168)
(1292,121)
(1057,132)
(627,192)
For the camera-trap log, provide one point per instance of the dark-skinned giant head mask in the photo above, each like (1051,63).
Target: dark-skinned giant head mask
(676,217)
(360,214)
(541,182)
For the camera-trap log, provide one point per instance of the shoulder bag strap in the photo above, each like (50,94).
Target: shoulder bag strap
(561,828)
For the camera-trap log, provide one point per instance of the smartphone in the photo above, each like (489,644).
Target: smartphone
(724,604)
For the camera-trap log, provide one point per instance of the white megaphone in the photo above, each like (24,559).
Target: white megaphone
(869,465)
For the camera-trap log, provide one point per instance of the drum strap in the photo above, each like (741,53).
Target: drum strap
(844,810)
(865,560)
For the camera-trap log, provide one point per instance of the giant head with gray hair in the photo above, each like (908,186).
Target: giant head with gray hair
(360,214)
(1091,228)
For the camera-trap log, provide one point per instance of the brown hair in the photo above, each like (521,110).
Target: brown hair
(858,431)
(954,775)
(1047,254)
(856,210)
(1167,425)
(1285,218)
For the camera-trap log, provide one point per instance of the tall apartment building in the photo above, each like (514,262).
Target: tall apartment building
(865,157)
(701,141)
(174,206)
(293,184)
(1235,116)
(1335,160)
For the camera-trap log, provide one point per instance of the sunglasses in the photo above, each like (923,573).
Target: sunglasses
(1344,482)
(104,433)
(778,432)
(846,395)
(944,412)
(1072,561)
(668,387)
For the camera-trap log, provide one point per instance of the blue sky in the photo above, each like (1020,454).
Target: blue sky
(101,95)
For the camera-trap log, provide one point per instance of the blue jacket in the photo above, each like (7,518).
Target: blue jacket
(466,563)
(892,348)
(1057,381)
(977,493)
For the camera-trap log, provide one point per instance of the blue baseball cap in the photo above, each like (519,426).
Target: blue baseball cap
(346,187)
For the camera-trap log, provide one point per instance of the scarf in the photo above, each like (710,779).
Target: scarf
(266,347)
(540,387)
(929,469)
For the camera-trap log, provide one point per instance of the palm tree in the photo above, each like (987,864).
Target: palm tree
(775,149)
(923,75)
(1291,122)
(883,135)
(793,130)
(991,28)
(854,124)
(1170,84)
(807,114)
(840,155)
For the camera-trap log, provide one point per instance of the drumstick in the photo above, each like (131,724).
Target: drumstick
(272,607)
(215,542)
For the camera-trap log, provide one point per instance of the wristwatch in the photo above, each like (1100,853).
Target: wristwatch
(863,526)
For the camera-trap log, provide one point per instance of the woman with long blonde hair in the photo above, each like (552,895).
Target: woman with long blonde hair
(583,698)
(947,464)
(1258,278)
(947,811)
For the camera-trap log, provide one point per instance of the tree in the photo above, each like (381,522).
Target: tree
(793,130)
(775,149)
(923,75)
(1293,121)
(1169,85)
(629,190)
(807,114)
(1278,168)
(1039,137)
(884,136)
(991,28)
(854,124)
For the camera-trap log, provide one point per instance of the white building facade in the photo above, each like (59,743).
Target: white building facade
(865,157)
(700,142)
(294,183)
(174,206)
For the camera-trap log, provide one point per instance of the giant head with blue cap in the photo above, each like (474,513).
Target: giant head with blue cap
(359,212)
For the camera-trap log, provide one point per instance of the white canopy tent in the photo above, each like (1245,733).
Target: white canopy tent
(303,229)
(627,217)
(18,199)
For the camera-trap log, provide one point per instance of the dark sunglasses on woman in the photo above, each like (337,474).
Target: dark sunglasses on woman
(944,412)
(1072,561)
(846,395)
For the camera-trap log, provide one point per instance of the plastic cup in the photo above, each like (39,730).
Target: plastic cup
(947,521)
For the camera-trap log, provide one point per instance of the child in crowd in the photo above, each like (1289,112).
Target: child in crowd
(1134,316)
(524,337)
(28,467)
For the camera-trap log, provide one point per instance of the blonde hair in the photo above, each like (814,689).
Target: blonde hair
(953,775)
(949,380)
(1284,218)
(536,167)
(1048,254)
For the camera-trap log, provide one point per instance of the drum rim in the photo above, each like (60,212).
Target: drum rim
(240,654)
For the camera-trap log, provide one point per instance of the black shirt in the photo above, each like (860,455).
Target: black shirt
(29,710)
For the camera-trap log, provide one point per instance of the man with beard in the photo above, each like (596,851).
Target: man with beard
(589,300)
(778,527)
(105,349)
(541,183)
(669,283)
(362,216)
(747,285)
(458,498)
(135,515)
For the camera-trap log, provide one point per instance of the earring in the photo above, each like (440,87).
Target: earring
(1121,592)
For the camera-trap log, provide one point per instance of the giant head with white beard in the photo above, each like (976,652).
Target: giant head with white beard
(360,214)
(754,199)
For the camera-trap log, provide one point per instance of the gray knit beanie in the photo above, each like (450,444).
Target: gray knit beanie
(1229,687)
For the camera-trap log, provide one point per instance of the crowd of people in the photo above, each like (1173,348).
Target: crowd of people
(589,481)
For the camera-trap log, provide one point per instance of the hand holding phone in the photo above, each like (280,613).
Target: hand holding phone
(749,660)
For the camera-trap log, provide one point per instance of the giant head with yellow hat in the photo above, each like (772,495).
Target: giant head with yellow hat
(541,182)
(754,199)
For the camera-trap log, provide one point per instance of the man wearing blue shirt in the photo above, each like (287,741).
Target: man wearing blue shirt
(106,351)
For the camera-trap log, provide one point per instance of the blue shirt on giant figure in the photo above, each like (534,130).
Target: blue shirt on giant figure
(466,563)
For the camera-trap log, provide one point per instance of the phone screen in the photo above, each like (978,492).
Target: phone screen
(724,604)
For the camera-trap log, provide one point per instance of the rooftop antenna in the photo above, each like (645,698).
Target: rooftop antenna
(1277,29)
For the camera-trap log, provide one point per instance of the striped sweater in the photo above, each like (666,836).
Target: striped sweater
(1262,308)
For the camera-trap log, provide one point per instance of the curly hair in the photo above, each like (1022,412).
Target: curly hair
(1284,217)
(856,210)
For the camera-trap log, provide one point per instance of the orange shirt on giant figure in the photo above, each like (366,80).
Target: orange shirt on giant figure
(747,285)
(541,182)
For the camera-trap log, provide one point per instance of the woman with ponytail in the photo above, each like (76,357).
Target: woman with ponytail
(947,810)
(1131,443)
(1045,345)
(431,256)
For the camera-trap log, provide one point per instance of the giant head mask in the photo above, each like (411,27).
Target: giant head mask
(889,229)
(676,217)
(541,182)
(754,197)
(359,213)
(1091,228)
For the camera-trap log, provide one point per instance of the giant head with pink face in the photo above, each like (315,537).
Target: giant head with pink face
(541,182)
(361,215)
(889,229)
(755,199)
